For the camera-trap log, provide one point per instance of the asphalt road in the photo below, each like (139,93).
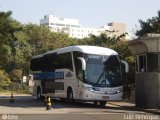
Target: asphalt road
(28,108)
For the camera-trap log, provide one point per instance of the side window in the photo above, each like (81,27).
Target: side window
(79,71)
(36,64)
(78,64)
(49,61)
(147,63)
(141,63)
(32,66)
(64,61)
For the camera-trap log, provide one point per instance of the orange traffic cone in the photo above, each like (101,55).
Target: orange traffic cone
(49,104)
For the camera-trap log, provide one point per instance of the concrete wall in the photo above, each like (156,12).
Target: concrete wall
(147,90)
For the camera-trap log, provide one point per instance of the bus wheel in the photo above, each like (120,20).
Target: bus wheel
(102,103)
(70,96)
(39,95)
(95,103)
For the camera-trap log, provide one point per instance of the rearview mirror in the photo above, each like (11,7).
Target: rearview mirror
(126,66)
(83,62)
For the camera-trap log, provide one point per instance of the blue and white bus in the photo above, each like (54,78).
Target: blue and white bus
(78,73)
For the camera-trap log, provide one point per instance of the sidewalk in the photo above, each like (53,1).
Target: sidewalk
(15,94)
(132,106)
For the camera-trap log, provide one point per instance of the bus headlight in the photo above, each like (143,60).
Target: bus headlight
(113,92)
(118,91)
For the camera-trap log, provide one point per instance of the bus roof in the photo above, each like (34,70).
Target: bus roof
(86,49)
(83,48)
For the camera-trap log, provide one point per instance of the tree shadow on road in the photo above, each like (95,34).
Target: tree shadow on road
(32,102)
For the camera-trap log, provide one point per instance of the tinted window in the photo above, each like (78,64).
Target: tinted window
(64,61)
(50,62)
(36,64)
(77,62)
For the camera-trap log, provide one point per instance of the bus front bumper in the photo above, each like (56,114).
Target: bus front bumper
(101,96)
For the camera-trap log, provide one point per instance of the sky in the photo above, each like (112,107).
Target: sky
(90,13)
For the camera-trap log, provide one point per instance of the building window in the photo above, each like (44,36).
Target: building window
(58,24)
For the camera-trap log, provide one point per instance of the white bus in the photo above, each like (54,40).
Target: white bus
(78,73)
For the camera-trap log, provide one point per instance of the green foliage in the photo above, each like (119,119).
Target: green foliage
(8,28)
(41,39)
(122,48)
(5,26)
(17,87)
(38,38)
(101,40)
(4,79)
(16,75)
(152,25)
(5,55)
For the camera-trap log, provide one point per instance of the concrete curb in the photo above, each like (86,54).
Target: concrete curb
(153,111)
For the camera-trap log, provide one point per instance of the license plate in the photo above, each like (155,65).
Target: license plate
(105,97)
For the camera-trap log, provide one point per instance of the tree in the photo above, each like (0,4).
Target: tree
(152,25)
(8,28)
(41,39)
(5,27)
(5,49)
(37,37)
(16,75)
(5,56)
(4,79)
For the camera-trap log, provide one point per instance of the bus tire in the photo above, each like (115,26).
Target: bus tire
(70,96)
(95,103)
(39,94)
(102,103)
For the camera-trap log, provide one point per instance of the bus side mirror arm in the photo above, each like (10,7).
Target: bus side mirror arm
(83,62)
(126,66)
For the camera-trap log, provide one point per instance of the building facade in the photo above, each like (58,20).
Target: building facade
(75,30)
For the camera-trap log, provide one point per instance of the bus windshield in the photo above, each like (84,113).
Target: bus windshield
(104,71)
